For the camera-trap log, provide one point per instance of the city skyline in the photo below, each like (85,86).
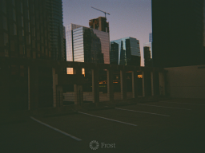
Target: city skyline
(136,17)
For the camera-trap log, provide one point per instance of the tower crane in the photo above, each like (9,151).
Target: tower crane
(101,11)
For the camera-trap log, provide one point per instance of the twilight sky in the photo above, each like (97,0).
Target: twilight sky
(127,17)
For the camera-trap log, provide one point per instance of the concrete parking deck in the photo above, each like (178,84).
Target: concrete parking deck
(175,125)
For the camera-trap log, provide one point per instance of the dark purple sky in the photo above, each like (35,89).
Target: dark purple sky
(127,17)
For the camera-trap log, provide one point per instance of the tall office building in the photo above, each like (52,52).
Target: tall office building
(178,29)
(31,29)
(87,45)
(125,51)
(100,24)
(147,57)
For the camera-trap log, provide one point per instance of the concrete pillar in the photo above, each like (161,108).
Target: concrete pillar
(162,83)
(55,83)
(59,96)
(34,86)
(95,85)
(143,83)
(29,92)
(152,83)
(123,84)
(78,89)
(5,76)
(110,90)
(134,84)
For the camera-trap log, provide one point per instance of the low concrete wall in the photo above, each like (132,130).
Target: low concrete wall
(88,96)
(186,82)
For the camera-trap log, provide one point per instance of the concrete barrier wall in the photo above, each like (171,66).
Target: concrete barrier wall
(186,82)
(88,96)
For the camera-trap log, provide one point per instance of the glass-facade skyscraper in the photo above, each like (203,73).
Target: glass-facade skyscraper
(85,44)
(125,51)
(31,29)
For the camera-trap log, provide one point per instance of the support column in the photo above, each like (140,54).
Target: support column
(152,83)
(134,84)
(29,92)
(59,96)
(78,89)
(123,84)
(55,83)
(34,87)
(110,90)
(143,84)
(162,83)
(95,85)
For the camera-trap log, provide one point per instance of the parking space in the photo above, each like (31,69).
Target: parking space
(164,126)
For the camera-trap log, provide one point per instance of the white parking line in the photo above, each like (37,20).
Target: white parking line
(108,119)
(165,107)
(182,103)
(69,135)
(143,112)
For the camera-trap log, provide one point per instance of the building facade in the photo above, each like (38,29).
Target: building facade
(125,51)
(147,56)
(31,29)
(178,29)
(100,24)
(87,45)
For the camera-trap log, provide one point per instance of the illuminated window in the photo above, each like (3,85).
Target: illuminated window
(69,70)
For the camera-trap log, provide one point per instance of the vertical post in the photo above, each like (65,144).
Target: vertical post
(134,84)
(123,84)
(152,83)
(59,96)
(29,92)
(34,85)
(78,90)
(110,91)
(95,85)
(55,83)
(162,83)
(143,83)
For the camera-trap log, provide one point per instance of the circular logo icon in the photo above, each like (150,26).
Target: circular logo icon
(94,145)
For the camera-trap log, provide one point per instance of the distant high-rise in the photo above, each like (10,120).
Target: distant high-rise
(125,51)
(178,29)
(147,56)
(87,45)
(31,29)
(150,37)
(99,23)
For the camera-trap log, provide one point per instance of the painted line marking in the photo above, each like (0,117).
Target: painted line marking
(108,119)
(183,103)
(69,135)
(142,112)
(165,106)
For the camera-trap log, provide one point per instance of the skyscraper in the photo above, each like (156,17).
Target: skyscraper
(125,51)
(100,24)
(147,56)
(87,45)
(178,28)
(31,29)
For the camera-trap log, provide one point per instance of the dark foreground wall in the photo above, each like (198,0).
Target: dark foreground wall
(186,82)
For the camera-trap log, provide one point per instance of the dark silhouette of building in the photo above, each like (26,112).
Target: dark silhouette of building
(125,51)
(178,32)
(114,53)
(31,29)
(147,57)
(99,23)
